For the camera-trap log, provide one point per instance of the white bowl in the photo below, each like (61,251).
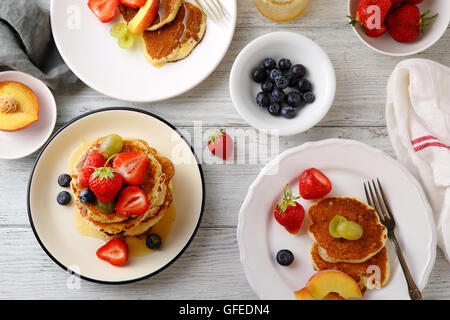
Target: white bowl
(388,46)
(21,143)
(298,49)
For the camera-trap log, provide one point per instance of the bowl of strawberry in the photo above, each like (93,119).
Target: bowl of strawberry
(399,27)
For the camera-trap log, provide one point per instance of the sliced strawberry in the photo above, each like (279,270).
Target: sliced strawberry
(133,3)
(221,145)
(314,184)
(288,213)
(115,252)
(105,182)
(132,201)
(93,160)
(132,166)
(105,10)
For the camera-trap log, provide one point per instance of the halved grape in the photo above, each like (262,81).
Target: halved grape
(351,230)
(127,41)
(334,224)
(119,30)
(106,207)
(112,144)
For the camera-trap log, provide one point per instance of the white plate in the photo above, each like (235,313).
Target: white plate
(94,56)
(347,164)
(21,143)
(298,49)
(53,225)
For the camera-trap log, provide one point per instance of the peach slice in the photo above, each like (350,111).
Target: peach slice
(303,294)
(281,10)
(145,17)
(326,281)
(19,106)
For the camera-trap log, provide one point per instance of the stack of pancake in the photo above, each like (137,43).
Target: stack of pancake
(178,28)
(361,259)
(156,184)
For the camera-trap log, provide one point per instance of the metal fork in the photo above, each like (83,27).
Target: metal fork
(381,205)
(214,10)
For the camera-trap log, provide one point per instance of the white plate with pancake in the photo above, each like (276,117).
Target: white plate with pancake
(95,57)
(53,224)
(347,164)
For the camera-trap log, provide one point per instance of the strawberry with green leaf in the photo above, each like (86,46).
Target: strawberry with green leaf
(289,213)
(221,145)
(105,182)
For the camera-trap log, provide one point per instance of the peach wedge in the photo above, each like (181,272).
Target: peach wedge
(327,281)
(145,17)
(303,294)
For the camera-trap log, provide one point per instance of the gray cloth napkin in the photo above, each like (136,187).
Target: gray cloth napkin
(26,43)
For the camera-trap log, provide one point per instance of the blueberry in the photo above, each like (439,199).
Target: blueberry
(87,196)
(293,80)
(294,98)
(288,112)
(259,74)
(285,257)
(304,85)
(153,241)
(309,97)
(282,81)
(63,198)
(269,64)
(285,64)
(274,73)
(278,95)
(299,71)
(274,108)
(267,86)
(64,180)
(263,99)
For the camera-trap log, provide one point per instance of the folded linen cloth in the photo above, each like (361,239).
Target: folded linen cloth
(418,122)
(27,44)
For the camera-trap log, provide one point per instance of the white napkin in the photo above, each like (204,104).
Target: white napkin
(418,122)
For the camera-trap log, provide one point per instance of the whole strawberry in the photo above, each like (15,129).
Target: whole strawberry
(405,23)
(93,160)
(371,15)
(288,213)
(105,182)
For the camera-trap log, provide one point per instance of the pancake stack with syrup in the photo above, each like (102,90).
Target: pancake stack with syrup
(178,28)
(365,259)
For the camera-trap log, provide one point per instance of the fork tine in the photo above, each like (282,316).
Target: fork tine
(208,10)
(369,200)
(220,8)
(386,203)
(375,204)
(380,201)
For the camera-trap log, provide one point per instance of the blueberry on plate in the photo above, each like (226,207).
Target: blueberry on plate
(263,99)
(87,196)
(285,257)
(64,180)
(153,241)
(278,95)
(282,81)
(259,74)
(267,86)
(299,71)
(63,198)
(293,80)
(304,85)
(274,108)
(309,97)
(285,64)
(294,98)
(274,73)
(288,112)
(270,63)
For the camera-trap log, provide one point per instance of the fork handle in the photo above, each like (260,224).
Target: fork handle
(414,292)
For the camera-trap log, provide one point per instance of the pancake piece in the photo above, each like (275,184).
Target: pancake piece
(338,249)
(360,272)
(176,40)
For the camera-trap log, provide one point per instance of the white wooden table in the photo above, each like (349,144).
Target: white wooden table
(210,267)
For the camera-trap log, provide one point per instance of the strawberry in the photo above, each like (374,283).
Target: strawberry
(133,4)
(371,19)
(115,252)
(405,23)
(413,1)
(105,10)
(132,201)
(313,184)
(105,182)
(288,213)
(132,166)
(221,144)
(396,2)
(93,160)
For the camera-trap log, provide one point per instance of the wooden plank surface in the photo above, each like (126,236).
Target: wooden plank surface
(210,268)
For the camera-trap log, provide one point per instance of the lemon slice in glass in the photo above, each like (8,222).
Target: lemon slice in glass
(281,10)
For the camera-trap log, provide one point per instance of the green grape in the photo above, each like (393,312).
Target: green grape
(334,224)
(350,230)
(106,207)
(127,41)
(119,30)
(112,144)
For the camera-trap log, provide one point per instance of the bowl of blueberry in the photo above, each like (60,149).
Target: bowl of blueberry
(282,82)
